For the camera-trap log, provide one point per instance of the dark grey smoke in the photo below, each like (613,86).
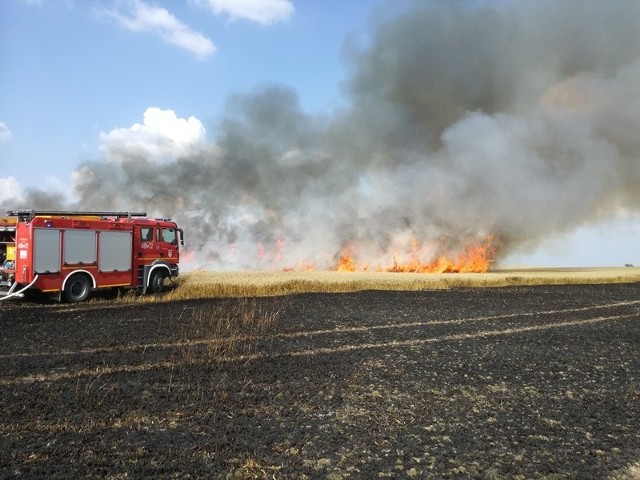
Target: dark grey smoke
(462,119)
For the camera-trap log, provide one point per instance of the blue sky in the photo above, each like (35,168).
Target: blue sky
(81,80)
(71,69)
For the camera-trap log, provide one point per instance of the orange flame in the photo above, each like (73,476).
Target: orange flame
(346,263)
(474,259)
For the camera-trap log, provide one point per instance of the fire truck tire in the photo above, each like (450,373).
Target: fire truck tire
(77,288)
(156,281)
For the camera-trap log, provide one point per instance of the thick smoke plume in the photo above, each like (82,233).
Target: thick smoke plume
(517,120)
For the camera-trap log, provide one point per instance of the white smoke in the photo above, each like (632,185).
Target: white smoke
(464,119)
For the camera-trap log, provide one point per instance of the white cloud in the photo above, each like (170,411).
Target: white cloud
(139,16)
(5,133)
(261,11)
(162,137)
(10,190)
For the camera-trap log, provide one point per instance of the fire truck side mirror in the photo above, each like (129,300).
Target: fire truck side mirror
(181,232)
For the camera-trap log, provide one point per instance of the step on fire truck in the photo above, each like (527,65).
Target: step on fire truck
(68,254)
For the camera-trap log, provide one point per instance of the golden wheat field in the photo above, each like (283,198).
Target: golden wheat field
(206,284)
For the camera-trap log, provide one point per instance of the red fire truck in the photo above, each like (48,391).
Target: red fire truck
(68,254)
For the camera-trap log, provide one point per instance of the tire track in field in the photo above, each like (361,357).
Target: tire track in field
(127,368)
(458,336)
(313,333)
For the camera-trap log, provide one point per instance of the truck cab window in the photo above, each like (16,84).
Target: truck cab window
(169,235)
(146,234)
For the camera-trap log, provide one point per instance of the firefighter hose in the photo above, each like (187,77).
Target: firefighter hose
(19,293)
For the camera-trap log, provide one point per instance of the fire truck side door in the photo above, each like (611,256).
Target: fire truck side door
(147,245)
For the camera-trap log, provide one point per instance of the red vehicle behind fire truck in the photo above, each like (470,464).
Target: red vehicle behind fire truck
(68,254)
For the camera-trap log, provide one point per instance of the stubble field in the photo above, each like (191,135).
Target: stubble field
(529,381)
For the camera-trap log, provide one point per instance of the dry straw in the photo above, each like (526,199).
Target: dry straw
(205,284)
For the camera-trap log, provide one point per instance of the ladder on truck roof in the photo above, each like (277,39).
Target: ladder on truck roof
(30,214)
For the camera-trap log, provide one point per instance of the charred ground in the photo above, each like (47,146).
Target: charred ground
(524,382)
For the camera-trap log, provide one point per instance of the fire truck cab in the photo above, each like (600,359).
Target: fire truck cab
(69,254)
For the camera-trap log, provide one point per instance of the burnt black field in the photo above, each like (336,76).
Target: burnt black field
(519,382)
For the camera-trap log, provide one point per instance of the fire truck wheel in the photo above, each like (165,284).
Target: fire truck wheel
(78,288)
(156,281)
